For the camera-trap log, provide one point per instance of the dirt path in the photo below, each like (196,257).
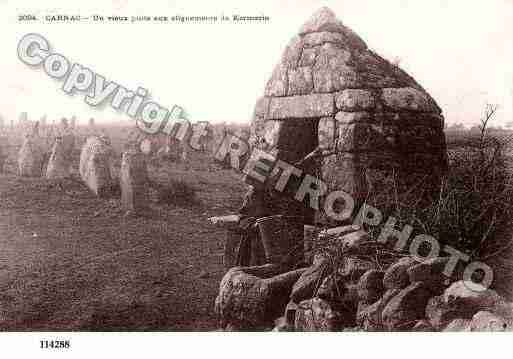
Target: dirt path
(69,261)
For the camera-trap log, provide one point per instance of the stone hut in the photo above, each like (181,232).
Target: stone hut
(363,116)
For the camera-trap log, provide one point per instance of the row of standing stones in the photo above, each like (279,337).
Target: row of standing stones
(330,92)
(95,168)
(358,294)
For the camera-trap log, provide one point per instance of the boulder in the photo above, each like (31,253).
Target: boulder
(95,165)
(485,321)
(369,316)
(281,325)
(251,298)
(335,288)
(440,314)
(408,99)
(460,302)
(353,268)
(357,242)
(370,286)
(408,306)
(134,182)
(423,326)
(460,294)
(396,276)
(317,315)
(310,281)
(433,271)
(459,325)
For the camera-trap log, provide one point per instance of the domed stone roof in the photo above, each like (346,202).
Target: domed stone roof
(369,112)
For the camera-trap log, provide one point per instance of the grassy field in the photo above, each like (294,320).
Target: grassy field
(70,261)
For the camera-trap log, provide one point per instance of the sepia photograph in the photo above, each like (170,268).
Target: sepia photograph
(175,168)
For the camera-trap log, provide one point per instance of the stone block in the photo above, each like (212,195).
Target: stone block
(327,132)
(306,106)
(251,298)
(408,99)
(300,81)
(316,315)
(370,286)
(396,276)
(408,306)
(277,84)
(353,100)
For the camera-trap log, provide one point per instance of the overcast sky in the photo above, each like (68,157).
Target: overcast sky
(460,51)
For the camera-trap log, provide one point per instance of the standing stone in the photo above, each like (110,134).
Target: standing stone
(59,163)
(134,182)
(95,165)
(31,155)
(233,238)
(43,121)
(4,151)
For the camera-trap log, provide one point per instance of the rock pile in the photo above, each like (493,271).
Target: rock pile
(370,118)
(358,294)
(95,165)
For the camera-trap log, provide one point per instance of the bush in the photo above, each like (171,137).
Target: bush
(176,192)
(473,206)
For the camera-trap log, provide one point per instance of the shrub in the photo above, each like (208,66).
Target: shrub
(176,192)
(474,205)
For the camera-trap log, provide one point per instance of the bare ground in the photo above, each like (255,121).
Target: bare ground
(70,261)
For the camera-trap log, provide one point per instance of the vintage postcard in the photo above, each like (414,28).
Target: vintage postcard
(306,166)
